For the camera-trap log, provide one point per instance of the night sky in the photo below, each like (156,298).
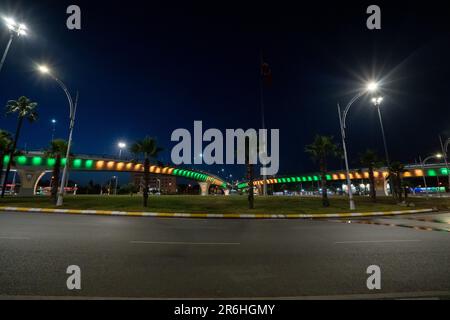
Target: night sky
(148,68)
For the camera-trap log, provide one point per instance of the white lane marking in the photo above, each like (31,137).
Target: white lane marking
(375,241)
(14,238)
(188,243)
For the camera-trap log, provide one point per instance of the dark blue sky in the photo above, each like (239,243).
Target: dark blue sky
(148,69)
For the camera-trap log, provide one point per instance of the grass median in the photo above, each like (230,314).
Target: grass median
(223,205)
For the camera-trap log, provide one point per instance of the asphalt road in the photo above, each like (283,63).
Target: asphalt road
(180,258)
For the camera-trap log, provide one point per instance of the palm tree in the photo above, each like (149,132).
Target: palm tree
(57,149)
(25,109)
(250,174)
(5,144)
(321,150)
(370,160)
(148,148)
(396,170)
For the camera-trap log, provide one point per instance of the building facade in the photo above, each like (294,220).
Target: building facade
(158,183)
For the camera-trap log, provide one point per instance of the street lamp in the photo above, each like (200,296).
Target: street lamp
(116,182)
(53,121)
(73,109)
(15,30)
(371,87)
(445,155)
(159,185)
(377,102)
(435,156)
(121,145)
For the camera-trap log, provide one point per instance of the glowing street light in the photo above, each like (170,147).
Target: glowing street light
(15,30)
(73,109)
(44,69)
(370,87)
(377,103)
(121,145)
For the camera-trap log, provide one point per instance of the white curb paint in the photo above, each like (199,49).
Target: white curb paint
(214,215)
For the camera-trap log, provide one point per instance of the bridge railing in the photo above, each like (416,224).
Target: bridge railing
(37,160)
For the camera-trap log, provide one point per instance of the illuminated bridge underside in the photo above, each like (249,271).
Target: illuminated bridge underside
(411,172)
(32,168)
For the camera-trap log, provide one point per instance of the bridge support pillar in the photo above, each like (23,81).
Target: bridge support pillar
(29,179)
(226,192)
(381,187)
(204,188)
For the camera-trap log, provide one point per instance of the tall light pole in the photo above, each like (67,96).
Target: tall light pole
(53,121)
(121,145)
(371,87)
(73,109)
(15,30)
(116,182)
(445,154)
(159,185)
(435,156)
(377,103)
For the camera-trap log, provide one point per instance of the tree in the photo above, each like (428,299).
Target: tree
(57,149)
(250,173)
(5,143)
(321,150)
(396,170)
(370,160)
(148,149)
(25,109)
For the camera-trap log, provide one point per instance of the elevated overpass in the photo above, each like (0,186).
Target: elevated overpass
(411,171)
(32,166)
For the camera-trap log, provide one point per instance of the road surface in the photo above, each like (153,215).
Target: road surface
(130,257)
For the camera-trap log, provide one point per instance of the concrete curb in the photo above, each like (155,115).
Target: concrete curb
(214,215)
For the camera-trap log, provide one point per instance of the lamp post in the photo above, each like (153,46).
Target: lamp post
(377,102)
(121,145)
(15,30)
(445,154)
(371,87)
(159,185)
(53,121)
(435,156)
(116,183)
(73,109)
